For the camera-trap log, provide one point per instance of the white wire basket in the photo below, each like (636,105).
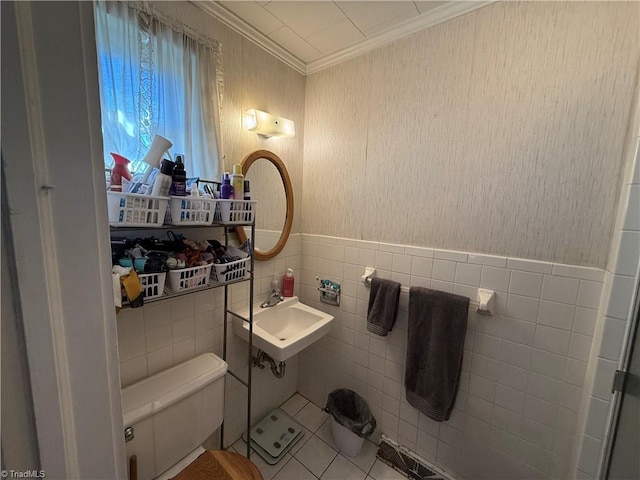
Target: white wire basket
(135,210)
(191,210)
(152,286)
(237,270)
(235,212)
(188,278)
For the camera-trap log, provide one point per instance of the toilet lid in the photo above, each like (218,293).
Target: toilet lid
(220,465)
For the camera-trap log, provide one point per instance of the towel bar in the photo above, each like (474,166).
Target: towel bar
(486,295)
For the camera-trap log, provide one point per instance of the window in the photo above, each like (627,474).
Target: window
(157,78)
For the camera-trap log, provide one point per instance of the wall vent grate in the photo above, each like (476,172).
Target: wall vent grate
(404,462)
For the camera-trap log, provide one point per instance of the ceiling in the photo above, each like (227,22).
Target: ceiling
(313,35)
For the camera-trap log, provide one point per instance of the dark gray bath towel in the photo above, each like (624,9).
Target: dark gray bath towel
(383,305)
(437,327)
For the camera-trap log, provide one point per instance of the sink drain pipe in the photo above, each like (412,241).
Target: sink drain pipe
(276,369)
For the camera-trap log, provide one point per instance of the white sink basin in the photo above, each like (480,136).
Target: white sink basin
(284,329)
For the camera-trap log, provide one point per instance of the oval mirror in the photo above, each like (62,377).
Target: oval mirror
(271,187)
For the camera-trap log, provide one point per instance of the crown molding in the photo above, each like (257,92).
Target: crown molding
(433,17)
(234,22)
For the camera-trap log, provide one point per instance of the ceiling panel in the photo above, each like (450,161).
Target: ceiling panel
(255,15)
(306,18)
(338,36)
(312,35)
(294,44)
(426,6)
(367,16)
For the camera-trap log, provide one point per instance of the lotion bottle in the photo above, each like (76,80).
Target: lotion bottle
(237,182)
(287,283)
(162,183)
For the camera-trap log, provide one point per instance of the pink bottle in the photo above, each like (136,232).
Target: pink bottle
(287,283)
(118,172)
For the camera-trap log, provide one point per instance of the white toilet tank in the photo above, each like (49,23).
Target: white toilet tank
(173,412)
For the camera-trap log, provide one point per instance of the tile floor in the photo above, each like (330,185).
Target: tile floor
(315,456)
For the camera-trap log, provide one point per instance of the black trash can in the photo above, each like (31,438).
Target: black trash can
(351,420)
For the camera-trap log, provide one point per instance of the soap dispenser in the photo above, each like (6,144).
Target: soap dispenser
(287,283)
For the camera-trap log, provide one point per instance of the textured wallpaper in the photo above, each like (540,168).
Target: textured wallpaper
(498,132)
(253,79)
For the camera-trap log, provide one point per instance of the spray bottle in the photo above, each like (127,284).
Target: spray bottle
(178,178)
(119,171)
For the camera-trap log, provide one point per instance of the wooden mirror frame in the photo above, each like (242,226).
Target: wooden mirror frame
(288,192)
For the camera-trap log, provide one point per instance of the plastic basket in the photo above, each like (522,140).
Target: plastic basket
(152,286)
(135,210)
(237,270)
(191,210)
(188,278)
(233,212)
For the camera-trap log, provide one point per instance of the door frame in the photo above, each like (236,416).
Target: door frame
(629,347)
(55,191)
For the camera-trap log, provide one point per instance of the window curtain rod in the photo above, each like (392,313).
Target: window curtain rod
(178,26)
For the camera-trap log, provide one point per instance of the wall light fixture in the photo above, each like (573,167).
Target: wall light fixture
(268,125)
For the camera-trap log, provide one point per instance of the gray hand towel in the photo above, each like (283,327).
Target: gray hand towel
(437,327)
(383,305)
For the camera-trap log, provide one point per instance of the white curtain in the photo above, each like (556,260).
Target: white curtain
(158,77)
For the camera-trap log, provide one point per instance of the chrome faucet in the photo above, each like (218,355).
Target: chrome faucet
(274,298)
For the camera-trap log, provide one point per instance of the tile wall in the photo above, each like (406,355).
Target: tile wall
(167,332)
(614,320)
(524,367)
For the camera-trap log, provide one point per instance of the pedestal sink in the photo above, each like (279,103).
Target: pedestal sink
(284,329)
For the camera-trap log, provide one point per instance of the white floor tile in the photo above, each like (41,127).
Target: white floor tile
(306,435)
(316,455)
(324,432)
(343,469)
(294,470)
(294,404)
(367,456)
(269,471)
(311,417)
(381,471)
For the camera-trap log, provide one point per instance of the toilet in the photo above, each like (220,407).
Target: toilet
(168,416)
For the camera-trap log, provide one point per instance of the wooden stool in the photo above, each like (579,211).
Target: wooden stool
(220,465)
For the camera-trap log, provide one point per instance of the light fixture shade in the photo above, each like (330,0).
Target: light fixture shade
(268,125)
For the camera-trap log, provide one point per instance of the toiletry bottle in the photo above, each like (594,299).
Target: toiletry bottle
(275,285)
(179,178)
(287,283)
(162,182)
(119,171)
(226,191)
(237,182)
(247,197)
